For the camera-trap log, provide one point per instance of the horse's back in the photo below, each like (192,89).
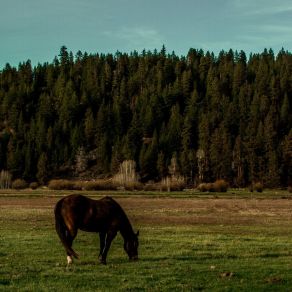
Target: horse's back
(88,214)
(72,203)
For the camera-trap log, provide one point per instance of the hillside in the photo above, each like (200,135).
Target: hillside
(225,116)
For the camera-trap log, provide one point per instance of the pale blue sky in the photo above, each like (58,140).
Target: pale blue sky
(36,29)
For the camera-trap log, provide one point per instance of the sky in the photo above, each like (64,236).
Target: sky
(36,29)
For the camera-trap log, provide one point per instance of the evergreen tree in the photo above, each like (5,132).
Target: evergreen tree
(189,137)
(285,115)
(161,165)
(238,163)
(224,116)
(174,130)
(89,128)
(42,171)
(287,159)
(148,158)
(134,139)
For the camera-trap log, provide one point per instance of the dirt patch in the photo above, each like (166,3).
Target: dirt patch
(209,211)
(183,211)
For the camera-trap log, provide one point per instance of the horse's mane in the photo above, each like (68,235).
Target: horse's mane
(127,226)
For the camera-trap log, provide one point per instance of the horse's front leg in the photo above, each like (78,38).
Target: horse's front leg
(101,243)
(109,238)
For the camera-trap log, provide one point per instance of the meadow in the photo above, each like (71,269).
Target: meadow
(188,242)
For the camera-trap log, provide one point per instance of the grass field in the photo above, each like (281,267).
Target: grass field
(235,242)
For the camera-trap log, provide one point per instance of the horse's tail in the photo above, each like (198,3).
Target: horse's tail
(61,229)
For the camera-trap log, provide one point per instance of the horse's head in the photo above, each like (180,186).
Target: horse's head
(131,246)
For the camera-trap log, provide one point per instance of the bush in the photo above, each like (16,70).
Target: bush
(5,179)
(61,184)
(33,185)
(19,184)
(209,187)
(127,174)
(133,186)
(98,185)
(290,189)
(153,187)
(202,187)
(77,185)
(173,183)
(258,187)
(220,186)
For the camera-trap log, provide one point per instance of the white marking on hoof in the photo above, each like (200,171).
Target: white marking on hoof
(69,260)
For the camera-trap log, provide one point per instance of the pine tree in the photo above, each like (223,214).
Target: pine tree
(148,158)
(174,130)
(238,163)
(186,83)
(285,117)
(189,137)
(117,156)
(161,165)
(42,171)
(29,163)
(271,137)
(103,157)
(233,110)
(204,147)
(89,128)
(134,138)
(287,159)
(240,73)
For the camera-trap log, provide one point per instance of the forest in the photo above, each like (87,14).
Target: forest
(225,116)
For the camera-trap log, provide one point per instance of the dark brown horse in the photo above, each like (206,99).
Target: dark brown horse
(104,216)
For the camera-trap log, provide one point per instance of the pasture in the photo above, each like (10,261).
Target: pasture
(187,242)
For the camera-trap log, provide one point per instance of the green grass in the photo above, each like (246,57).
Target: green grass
(209,257)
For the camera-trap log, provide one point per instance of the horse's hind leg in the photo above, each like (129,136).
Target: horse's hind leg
(70,236)
(101,243)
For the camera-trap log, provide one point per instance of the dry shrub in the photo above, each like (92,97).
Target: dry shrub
(61,184)
(219,186)
(78,185)
(94,185)
(290,189)
(173,183)
(258,187)
(98,185)
(127,177)
(33,185)
(5,179)
(203,187)
(19,184)
(154,187)
(133,186)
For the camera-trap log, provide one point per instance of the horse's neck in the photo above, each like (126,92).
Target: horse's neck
(126,229)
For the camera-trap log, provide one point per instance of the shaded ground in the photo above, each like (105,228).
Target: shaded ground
(183,211)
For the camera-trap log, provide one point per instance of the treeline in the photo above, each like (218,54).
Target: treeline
(215,117)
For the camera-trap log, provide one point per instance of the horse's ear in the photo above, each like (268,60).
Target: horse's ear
(137,234)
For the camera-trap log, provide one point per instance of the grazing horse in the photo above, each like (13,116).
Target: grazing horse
(104,216)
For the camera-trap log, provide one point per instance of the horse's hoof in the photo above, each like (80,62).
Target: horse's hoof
(69,260)
(103,262)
